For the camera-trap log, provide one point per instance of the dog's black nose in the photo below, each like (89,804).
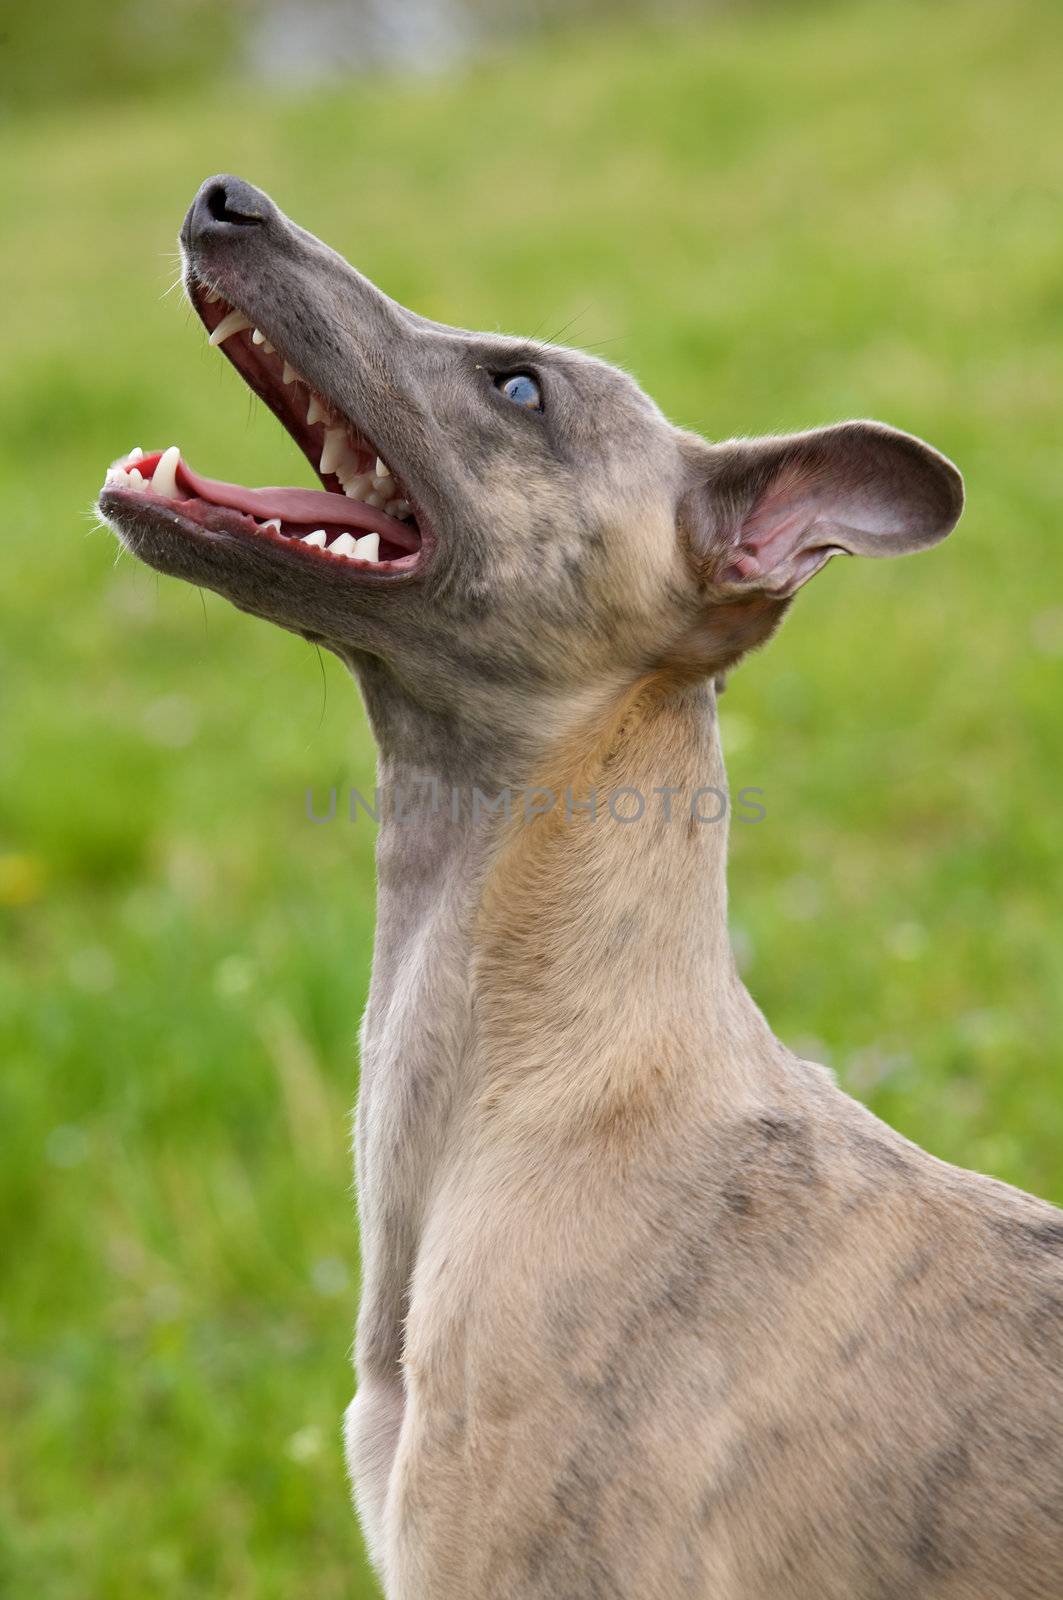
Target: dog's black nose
(222,204)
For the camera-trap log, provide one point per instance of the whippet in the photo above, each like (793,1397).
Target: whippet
(650,1307)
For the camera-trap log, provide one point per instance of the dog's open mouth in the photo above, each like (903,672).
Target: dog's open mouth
(361,521)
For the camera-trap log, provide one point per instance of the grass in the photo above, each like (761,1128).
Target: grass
(776,218)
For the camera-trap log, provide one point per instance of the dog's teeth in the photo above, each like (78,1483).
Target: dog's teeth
(316,411)
(116,475)
(357,488)
(135,454)
(335,449)
(368,548)
(273,522)
(398,508)
(235,322)
(211,296)
(137,481)
(343,546)
(258,337)
(376,499)
(164,482)
(382,469)
(319,539)
(288,375)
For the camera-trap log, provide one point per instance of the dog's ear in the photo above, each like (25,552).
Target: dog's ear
(760,516)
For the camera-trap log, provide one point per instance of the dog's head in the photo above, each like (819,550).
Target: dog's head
(500,520)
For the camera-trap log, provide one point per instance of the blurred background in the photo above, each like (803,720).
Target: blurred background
(776,216)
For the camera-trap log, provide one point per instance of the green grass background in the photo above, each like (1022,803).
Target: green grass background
(775,217)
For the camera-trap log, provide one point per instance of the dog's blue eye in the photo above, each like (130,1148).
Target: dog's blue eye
(523,390)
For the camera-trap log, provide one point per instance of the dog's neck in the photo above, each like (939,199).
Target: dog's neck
(588,931)
(545,982)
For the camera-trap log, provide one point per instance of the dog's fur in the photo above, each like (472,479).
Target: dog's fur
(650,1307)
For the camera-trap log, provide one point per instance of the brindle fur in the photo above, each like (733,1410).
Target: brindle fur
(650,1307)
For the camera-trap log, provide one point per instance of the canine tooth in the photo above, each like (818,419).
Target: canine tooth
(335,449)
(288,375)
(134,455)
(273,522)
(343,546)
(164,482)
(382,469)
(368,548)
(257,337)
(316,412)
(319,538)
(235,322)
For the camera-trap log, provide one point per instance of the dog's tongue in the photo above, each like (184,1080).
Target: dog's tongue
(313,507)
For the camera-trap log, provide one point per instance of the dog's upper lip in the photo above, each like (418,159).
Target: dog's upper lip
(335,444)
(307,414)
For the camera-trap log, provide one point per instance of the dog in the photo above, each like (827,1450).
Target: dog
(650,1307)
